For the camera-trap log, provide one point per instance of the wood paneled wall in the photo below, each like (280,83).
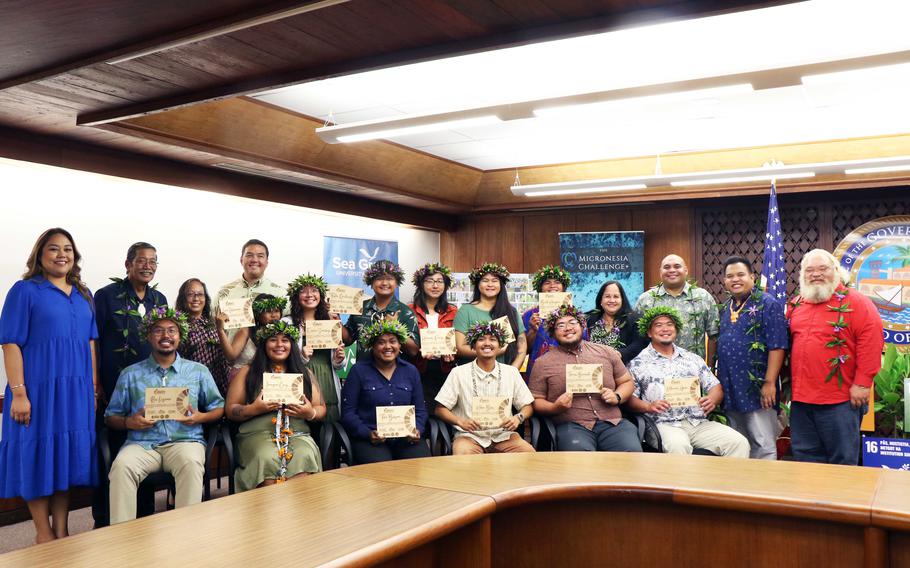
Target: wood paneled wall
(526,241)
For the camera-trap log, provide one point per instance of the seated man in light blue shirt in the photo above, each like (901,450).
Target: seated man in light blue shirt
(175,446)
(681,413)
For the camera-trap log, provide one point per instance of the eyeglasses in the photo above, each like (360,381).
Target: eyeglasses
(567,324)
(143,262)
(821,270)
(170,332)
(434,281)
(194,295)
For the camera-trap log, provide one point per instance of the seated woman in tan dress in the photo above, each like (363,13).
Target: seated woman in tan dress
(273,441)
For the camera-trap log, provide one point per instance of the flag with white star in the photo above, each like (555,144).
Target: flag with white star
(774,273)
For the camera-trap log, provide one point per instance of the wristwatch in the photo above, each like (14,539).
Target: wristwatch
(521,418)
(618,398)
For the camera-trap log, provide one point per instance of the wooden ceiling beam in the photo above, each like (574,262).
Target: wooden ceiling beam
(512,38)
(262,14)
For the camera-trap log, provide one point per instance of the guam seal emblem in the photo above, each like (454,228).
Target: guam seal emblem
(877,256)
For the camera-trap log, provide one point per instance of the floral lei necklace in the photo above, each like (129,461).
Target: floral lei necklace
(282,439)
(758,365)
(841,294)
(608,335)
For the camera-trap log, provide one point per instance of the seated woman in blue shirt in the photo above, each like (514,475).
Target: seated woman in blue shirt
(382,380)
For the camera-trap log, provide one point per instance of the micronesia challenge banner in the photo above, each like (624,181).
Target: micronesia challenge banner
(593,258)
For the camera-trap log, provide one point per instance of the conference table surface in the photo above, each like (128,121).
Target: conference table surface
(369,514)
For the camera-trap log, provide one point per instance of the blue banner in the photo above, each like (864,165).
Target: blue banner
(887,453)
(594,258)
(344,260)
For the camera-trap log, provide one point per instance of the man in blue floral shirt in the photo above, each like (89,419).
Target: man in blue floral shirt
(750,353)
(683,419)
(175,446)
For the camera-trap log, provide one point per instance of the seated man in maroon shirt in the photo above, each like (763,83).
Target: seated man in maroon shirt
(837,348)
(589,421)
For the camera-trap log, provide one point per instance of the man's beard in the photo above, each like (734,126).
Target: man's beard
(570,345)
(816,293)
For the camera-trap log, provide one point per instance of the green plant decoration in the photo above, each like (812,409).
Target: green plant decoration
(889,393)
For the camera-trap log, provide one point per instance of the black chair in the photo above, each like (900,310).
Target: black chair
(160,479)
(543,432)
(441,435)
(340,441)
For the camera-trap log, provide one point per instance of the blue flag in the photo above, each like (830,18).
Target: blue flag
(774,273)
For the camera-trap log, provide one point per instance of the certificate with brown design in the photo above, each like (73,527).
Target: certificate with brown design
(323,334)
(584,378)
(490,411)
(396,421)
(344,299)
(549,301)
(437,341)
(682,391)
(166,403)
(504,323)
(283,388)
(239,312)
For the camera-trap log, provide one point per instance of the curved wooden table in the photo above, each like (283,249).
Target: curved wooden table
(545,509)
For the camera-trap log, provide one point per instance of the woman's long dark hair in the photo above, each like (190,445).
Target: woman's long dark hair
(598,312)
(502,307)
(322,310)
(73,277)
(442,304)
(182,305)
(260,365)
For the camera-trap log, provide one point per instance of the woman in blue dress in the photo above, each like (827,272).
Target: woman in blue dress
(47,329)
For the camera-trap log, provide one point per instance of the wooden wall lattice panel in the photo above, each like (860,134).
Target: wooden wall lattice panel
(819,223)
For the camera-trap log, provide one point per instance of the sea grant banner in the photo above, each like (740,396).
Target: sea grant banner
(343,262)
(593,258)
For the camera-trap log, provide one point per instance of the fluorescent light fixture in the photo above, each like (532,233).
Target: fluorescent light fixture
(415,129)
(620,104)
(878,170)
(600,189)
(740,179)
(884,73)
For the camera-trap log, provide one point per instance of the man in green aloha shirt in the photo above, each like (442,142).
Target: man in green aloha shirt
(695,305)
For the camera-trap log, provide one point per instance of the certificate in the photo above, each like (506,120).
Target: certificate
(344,299)
(285,388)
(504,322)
(166,403)
(323,334)
(584,378)
(438,341)
(490,411)
(239,312)
(396,421)
(549,301)
(682,391)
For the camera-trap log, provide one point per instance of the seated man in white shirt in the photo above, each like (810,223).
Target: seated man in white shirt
(485,377)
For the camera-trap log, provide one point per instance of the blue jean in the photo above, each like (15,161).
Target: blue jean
(605,437)
(826,433)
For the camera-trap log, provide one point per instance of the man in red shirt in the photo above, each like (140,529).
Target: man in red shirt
(837,347)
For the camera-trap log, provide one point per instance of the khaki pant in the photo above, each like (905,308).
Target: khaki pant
(707,435)
(761,427)
(465,445)
(184,460)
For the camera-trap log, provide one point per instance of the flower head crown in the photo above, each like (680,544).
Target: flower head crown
(493,268)
(651,314)
(165,313)
(371,333)
(268,304)
(550,272)
(479,330)
(381,267)
(277,328)
(430,269)
(561,312)
(305,280)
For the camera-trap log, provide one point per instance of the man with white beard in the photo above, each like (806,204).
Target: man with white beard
(837,346)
